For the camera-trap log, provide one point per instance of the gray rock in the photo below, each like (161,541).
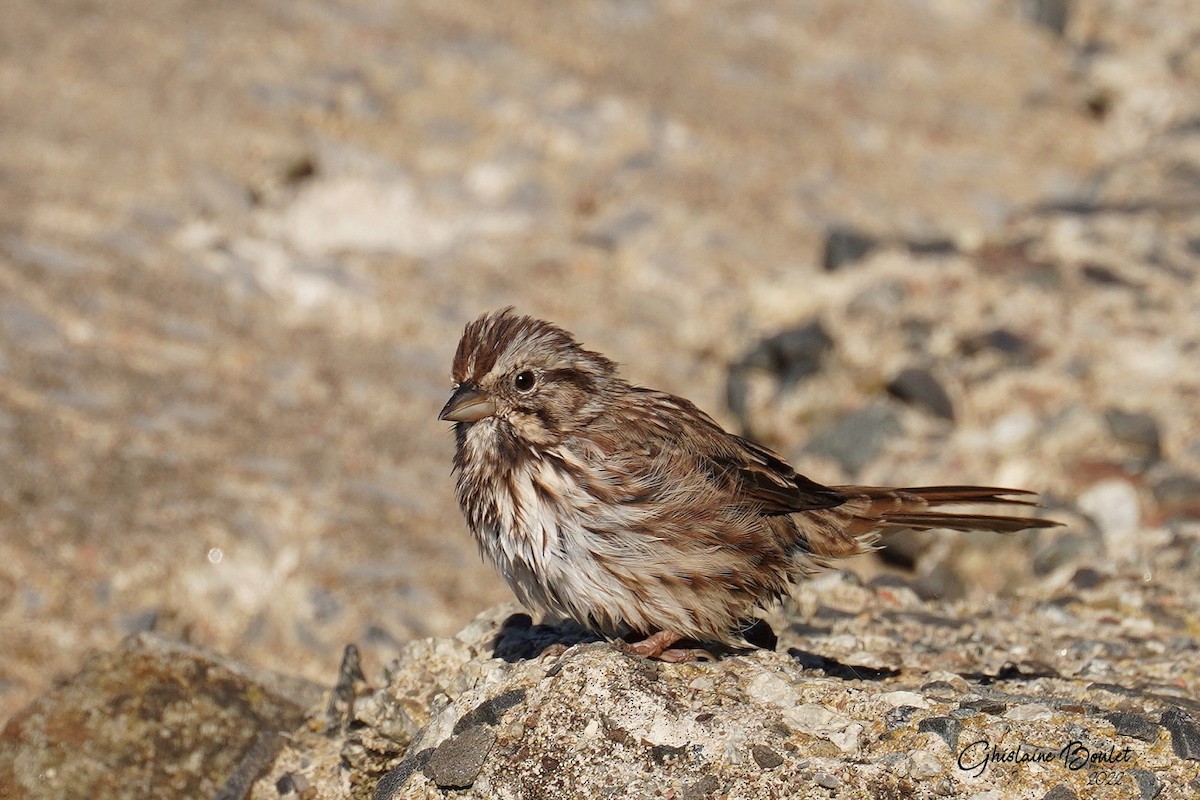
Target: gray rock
(1147,783)
(826,780)
(844,246)
(1129,724)
(185,722)
(1185,733)
(790,356)
(1178,494)
(918,387)
(1060,792)
(1016,348)
(456,762)
(765,757)
(857,438)
(1139,431)
(947,728)
(793,354)
(1053,15)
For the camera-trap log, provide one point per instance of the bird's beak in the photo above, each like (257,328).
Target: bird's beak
(467,404)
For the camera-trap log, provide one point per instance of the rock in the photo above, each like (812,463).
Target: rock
(947,728)
(1087,578)
(790,356)
(932,246)
(856,438)
(845,245)
(918,387)
(185,722)
(1129,724)
(1137,430)
(1053,15)
(1185,734)
(1060,792)
(765,757)
(456,762)
(1147,783)
(1102,275)
(793,354)
(853,716)
(1016,348)
(826,780)
(1178,495)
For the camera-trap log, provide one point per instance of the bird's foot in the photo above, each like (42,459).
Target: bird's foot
(553,651)
(657,646)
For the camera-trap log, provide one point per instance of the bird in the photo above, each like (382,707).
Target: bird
(634,513)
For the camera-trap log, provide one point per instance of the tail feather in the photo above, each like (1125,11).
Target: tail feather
(963,522)
(893,509)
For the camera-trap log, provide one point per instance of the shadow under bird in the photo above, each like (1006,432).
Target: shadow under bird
(634,513)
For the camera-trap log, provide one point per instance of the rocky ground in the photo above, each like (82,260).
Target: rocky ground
(900,243)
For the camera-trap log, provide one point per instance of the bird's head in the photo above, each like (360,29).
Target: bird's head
(528,374)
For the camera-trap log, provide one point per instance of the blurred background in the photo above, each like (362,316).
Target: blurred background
(902,243)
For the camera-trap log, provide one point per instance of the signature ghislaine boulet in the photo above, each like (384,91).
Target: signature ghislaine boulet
(1075,755)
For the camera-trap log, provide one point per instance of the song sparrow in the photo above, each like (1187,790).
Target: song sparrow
(631,511)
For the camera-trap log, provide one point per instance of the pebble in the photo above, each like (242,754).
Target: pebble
(844,246)
(1185,734)
(793,354)
(1135,725)
(1016,347)
(854,440)
(1060,792)
(1147,783)
(1137,430)
(765,757)
(457,761)
(826,780)
(1178,494)
(918,387)
(947,728)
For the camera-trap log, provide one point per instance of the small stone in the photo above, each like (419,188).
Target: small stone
(923,765)
(1052,15)
(932,246)
(456,762)
(826,780)
(1185,734)
(947,728)
(793,354)
(1178,495)
(1012,345)
(765,757)
(294,784)
(1087,578)
(845,245)
(857,438)
(985,706)
(708,786)
(1060,792)
(1102,275)
(918,387)
(1137,430)
(491,711)
(1147,783)
(618,229)
(1135,725)
(899,717)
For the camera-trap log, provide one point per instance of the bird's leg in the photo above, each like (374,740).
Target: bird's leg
(658,646)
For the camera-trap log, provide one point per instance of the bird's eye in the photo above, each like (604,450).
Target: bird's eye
(525,381)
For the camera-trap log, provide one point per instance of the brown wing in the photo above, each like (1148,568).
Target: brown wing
(769,482)
(748,474)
